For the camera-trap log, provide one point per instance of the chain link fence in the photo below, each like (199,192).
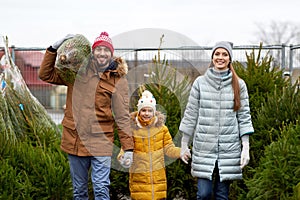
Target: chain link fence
(190,61)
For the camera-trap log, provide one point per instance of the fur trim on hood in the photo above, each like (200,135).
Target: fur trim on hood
(118,67)
(122,68)
(160,120)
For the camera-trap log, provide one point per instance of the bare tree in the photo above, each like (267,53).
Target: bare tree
(279,32)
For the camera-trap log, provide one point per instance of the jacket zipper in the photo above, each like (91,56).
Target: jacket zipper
(150,160)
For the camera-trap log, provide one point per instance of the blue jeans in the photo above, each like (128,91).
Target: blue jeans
(100,170)
(208,187)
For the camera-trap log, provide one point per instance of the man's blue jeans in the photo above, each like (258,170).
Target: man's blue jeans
(207,187)
(100,170)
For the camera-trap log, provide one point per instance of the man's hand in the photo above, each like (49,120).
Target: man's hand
(58,43)
(126,159)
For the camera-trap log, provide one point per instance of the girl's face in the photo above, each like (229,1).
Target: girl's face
(146,113)
(103,55)
(221,59)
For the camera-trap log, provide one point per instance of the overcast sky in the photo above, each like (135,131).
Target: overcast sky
(36,23)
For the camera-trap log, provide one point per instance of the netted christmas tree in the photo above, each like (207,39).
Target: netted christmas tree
(21,114)
(72,55)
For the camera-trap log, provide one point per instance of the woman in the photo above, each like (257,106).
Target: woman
(218,119)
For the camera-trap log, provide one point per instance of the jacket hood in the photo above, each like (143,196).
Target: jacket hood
(122,68)
(118,67)
(160,120)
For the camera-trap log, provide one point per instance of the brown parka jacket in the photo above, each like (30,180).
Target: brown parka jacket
(96,104)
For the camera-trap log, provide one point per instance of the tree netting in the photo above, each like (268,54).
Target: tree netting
(71,55)
(21,114)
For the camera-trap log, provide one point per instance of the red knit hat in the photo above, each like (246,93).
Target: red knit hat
(103,40)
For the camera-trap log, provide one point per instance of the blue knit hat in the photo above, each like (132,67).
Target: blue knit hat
(225,45)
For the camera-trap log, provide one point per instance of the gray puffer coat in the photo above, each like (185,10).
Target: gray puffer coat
(216,128)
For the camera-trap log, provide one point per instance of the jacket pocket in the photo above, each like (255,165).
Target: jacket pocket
(68,123)
(107,86)
(104,96)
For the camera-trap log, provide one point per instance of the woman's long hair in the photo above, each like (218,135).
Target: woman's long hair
(236,88)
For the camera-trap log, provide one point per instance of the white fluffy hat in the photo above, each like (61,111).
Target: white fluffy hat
(147,100)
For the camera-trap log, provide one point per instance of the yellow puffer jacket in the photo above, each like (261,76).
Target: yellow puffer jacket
(147,179)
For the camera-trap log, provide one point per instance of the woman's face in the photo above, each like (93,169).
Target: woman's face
(146,113)
(221,59)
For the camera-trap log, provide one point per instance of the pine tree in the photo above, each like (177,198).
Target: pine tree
(274,102)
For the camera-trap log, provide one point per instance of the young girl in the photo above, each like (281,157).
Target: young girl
(152,141)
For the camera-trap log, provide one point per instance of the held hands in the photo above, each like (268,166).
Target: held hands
(58,43)
(126,159)
(245,158)
(185,153)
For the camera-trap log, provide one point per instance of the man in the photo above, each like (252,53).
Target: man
(96,103)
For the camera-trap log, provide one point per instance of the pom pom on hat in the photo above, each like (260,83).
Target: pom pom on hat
(225,45)
(147,100)
(103,40)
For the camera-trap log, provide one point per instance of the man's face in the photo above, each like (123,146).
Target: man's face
(103,55)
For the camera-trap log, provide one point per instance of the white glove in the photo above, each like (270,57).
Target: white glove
(245,157)
(126,159)
(58,43)
(185,153)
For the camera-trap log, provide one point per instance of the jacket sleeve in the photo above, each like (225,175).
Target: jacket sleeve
(169,147)
(243,114)
(47,71)
(190,118)
(120,106)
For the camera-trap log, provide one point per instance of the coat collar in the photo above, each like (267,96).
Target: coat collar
(117,65)
(218,81)
(160,120)
(120,69)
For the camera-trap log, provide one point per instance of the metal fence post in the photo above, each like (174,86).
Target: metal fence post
(283,56)
(291,60)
